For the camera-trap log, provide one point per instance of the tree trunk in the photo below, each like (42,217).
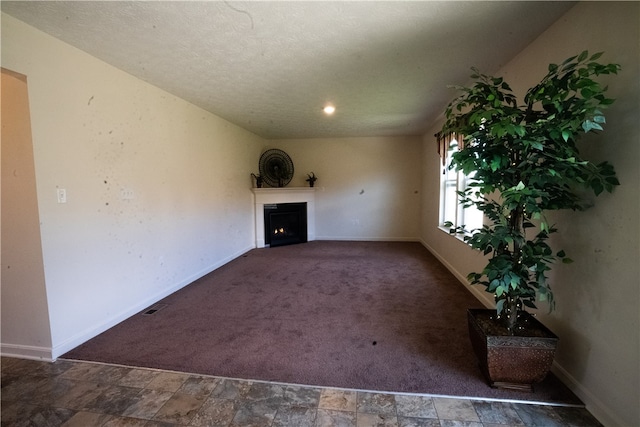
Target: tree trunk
(512,303)
(511,314)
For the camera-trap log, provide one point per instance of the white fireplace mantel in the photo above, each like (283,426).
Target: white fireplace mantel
(266,196)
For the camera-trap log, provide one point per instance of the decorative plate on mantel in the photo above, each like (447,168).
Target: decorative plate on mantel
(276,168)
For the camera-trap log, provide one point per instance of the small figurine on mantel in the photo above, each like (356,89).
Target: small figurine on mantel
(311,179)
(258,180)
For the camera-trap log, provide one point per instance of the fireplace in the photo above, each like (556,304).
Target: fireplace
(285,224)
(285,195)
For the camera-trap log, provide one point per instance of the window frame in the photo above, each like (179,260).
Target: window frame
(460,215)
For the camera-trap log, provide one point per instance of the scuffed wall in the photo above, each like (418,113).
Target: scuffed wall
(158,190)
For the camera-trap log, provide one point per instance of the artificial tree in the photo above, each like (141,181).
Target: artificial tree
(524,162)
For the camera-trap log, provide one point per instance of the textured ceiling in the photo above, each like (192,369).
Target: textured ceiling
(270,66)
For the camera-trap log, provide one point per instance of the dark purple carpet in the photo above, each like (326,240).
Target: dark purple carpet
(367,315)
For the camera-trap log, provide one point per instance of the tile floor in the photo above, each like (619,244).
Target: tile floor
(69,393)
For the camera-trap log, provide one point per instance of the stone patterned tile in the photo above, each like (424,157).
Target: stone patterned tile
(49,390)
(201,386)
(127,422)
(180,409)
(256,413)
(7,362)
(455,409)
(14,413)
(376,403)
(110,374)
(497,413)
(20,388)
(376,420)
(578,417)
(338,400)
(45,417)
(538,415)
(138,378)
(21,367)
(215,412)
(113,400)
(147,403)
(302,396)
(331,418)
(82,372)
(299,416)
(231,389)
(266,391)
(415,406)
(56,368)
(168,381)
(84,419)
(80,395)
(70,393)
(459,423)
(418,422)
(152,423)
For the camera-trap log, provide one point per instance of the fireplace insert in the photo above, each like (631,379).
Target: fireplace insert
(285,224)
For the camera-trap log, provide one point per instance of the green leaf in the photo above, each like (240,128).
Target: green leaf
(537,145)
(595,56)
(495,163)
(612,180)
(515,281)
(584,55)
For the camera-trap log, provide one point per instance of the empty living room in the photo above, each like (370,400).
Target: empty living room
(239,213)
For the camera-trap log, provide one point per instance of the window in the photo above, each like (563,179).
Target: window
(450,210)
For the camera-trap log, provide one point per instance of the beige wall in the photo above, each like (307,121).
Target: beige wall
(598,296)
(158,190)
(23,282)
(367,188)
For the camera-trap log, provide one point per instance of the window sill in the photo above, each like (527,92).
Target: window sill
(454,235)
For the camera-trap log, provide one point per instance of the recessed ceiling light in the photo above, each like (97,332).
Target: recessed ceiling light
(329,109)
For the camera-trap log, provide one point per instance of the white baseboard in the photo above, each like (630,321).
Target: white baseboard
(368,239)
(483,297)
(592,403)
(26,352)
(96,330)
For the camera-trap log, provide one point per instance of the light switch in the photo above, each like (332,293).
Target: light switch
(62,195)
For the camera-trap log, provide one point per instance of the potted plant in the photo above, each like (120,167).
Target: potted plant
(524,162)
(258,179)
(311,179)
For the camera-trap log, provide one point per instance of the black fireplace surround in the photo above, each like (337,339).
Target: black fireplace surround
(285,224)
